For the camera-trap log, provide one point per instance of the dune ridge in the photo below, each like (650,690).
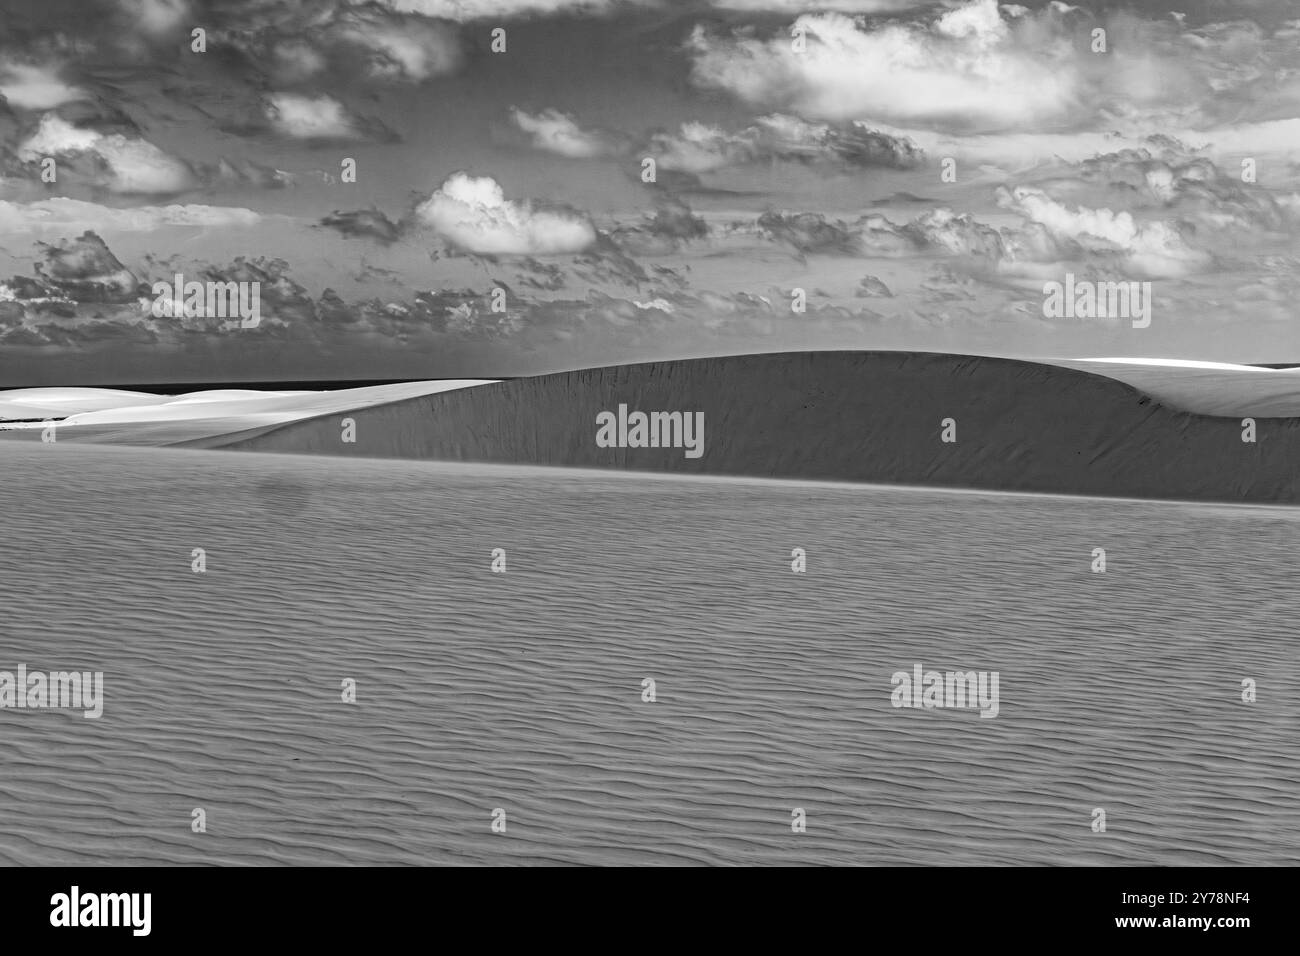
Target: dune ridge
(850,416)
(1206,388)
(107,416)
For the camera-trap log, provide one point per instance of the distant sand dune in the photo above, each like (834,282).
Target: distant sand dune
(1122,427)
(107,416)
(850,416)
(1205,387)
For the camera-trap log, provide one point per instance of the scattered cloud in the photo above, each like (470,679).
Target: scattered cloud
(463,10)
(968,67)
(556,132)
(473,215)
(121,164)
(672,224)
(364,223)
(83,269)
(391,48)
(700,148)
(837,6)
(157,18)
(1152,247)
(36,87)
(317,118)
(69,215)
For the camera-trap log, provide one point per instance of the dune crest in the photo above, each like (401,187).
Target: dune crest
(1012,425)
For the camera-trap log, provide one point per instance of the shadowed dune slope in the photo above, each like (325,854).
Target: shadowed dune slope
(851,416)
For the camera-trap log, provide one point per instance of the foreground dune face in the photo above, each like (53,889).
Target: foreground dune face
(523,690)
(868,417)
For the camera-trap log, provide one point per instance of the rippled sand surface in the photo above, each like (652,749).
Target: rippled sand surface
(523,691)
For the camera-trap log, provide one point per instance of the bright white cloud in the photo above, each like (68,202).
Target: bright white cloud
(836,6)
(472,213)
(1153,247)
(968,67)
(310,117)
(701,148)
(30,87)
(478,9)
(559,133)
(400,48)
(133,165)
(981,68)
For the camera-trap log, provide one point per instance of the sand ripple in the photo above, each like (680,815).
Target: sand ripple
(523,690)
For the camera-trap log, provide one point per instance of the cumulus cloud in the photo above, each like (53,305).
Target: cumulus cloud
(956,234)
(36,87)
(1028,75)
(395,48)
(472,214)
(701,148)
(462,10)
(1153,247)
(246,172)
(837,6)
(319,119)
(938,232)
(284,300)
(672,224)
(854,144)
(673,219)
(1165,174)
(83,269)
(967,67)
(1051,233)
(559,133)
(810,232)
(127,164)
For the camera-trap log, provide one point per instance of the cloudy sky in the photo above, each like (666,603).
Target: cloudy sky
(917,170)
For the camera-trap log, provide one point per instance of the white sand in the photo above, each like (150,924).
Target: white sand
(1207,388)
(198,414)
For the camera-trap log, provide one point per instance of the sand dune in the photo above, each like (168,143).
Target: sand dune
(1208,388)
(33,403)
(97,415)
(852,416)
(1107,426)
(523,690)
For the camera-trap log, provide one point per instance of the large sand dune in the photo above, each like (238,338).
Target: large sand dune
(854,416)
(523,690)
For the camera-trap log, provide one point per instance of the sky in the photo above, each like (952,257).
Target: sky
(555,184)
